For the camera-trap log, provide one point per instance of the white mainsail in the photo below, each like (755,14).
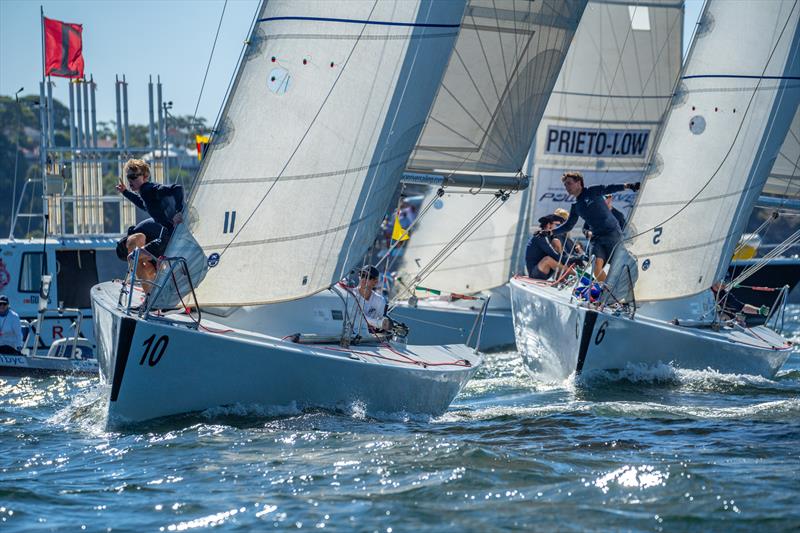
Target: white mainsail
(494,92)
(608,103)
(326,107)
(497,82)
(738,95)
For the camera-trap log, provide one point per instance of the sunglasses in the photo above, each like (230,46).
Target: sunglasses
(365,275)
(3,303)
(133,177)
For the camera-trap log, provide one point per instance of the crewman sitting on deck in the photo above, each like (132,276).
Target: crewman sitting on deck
(590,205)
(541,258)
(369,312)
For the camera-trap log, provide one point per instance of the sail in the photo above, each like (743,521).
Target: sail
(733,108)
(783,183)
(608,103)
(486,259)
(327,104)
(496,85)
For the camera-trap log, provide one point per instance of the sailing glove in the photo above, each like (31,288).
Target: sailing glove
(635,186)
(763,310)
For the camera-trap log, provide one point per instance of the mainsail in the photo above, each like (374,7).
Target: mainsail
(738,94)
(493,95)
(608,103)
(327,104)
(496,85)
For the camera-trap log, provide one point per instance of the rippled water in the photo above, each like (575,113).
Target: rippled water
(654,449)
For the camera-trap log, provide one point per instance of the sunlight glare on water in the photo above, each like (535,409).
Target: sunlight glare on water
(641,449)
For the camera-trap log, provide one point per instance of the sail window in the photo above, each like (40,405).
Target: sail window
(640,17)
(30,272)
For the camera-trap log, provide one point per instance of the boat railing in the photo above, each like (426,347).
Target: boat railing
(479,321)
(168,267)
(173,265)
(36,325)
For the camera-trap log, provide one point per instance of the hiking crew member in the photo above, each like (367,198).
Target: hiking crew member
(541,258)
(591,207)
(164,204)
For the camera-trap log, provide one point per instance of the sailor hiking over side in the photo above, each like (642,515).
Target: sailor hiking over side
(590,205)
(164,204)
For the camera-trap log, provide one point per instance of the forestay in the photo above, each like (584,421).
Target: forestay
(324,112)
(496,85)
(738,95)
(609,101)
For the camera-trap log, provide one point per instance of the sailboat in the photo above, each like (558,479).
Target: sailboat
(506,58)
(588,96)
(327,103)
(728,117)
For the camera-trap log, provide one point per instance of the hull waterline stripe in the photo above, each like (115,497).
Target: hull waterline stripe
(126,330)
(586,337)
(370,22)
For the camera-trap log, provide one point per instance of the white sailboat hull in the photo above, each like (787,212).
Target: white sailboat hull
(197,370)
(557,337)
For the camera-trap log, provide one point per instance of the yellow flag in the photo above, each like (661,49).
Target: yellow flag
(398,233)
(202,143)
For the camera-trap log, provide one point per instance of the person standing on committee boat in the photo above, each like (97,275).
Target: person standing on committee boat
(164,204)
(590,205)
(10,329)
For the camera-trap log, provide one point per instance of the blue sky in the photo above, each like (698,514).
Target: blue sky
(170,38)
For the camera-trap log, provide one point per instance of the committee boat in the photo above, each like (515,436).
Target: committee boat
(729,115)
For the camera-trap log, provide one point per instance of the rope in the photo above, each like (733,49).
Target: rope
(461,236)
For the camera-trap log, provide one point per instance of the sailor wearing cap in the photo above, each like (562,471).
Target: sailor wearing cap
(541,258)
(369,312)
(10,329)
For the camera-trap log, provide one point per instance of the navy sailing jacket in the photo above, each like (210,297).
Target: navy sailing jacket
(591,207)
(161,202)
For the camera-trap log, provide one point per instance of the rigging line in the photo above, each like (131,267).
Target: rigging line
(193,122)
(223,106)
(733,142)
(458,234)
(619,64)
(762,262)
(419,277)
(305,134)
(443,254)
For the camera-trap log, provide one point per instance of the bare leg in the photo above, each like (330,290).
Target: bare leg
(599,263)
(145,269)
(547,264)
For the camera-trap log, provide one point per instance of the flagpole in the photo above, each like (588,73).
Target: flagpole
(41,24)
(43,136)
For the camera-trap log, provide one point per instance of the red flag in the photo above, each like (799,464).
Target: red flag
(63,49)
